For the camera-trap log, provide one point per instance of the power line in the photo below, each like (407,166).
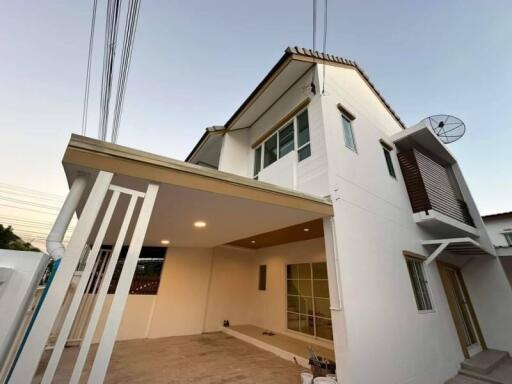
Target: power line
(28,190)
(112,24)
(128,42)
(88,73)
(30,203)
(27,209)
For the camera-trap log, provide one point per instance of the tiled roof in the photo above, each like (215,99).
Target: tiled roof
(497,215)
(340,60)
(327,58)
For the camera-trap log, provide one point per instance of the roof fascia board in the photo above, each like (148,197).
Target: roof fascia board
(354,66)
(95,154)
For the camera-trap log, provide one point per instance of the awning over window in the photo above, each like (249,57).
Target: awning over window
(457,251)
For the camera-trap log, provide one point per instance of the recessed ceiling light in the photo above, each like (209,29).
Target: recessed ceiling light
(253,241)
(165,242)
(306,229)
(199,224)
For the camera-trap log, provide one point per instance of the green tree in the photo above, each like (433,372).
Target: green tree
(9,240)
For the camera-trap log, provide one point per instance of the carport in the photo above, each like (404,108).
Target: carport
(213,224)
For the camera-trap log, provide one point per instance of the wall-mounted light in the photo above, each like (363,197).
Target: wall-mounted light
(165,242)
(306,229)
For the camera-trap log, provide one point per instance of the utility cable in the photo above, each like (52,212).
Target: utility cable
(129,38)
(88,73)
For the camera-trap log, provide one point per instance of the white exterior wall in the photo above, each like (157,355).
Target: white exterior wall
(201,287)
(20,273)
(374,225)
(309,175)
(496,225)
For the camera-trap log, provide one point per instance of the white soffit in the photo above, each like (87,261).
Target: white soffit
(288,75)
(227,218)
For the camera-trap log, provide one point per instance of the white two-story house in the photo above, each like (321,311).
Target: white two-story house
(316,215)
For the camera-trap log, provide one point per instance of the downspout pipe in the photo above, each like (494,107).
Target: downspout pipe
(54,246)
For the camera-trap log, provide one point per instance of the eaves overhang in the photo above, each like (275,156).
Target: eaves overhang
(463,248)
(420,135)
(88,153)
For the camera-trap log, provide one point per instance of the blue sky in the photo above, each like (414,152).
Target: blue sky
(194,62)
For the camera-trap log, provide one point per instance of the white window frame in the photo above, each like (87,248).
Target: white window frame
(508,237)
(426,282)
(296,149)
(286,311)
(350,121)
(388,150)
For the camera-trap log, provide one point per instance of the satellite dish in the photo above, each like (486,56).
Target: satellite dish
(447,128)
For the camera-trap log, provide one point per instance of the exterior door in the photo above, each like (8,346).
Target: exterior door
(463,314)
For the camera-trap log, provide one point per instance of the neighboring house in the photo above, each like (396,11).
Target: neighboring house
(318,216)
(499,226)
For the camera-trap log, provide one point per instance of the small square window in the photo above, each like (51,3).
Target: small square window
(419,284)
(348,133)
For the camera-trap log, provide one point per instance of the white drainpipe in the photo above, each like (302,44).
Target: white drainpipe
(54,246)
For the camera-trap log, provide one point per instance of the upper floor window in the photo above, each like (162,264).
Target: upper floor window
(303,146)
(348,132)
(508,237)
(283,142)
(386,148)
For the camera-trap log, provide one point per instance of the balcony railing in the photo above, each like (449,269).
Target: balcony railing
(432,186)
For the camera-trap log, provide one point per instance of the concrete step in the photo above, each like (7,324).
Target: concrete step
(484,362)
(463,379)
(481,377)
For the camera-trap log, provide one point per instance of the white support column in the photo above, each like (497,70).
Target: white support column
(333,271)
(77,298)
(336,300)
(104,352)
(102,294)
(31,354)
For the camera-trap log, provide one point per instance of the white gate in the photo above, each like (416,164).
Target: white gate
(31,353)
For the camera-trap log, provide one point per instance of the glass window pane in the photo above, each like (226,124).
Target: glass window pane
(305,288)
(324,328)
(389,162)
(322,308)
(508,237)
(270,150)
(419,285)
(257,161)
(293,304)
(304,271)
(321,288)
(319,270)
(302,128)
(304,152)
(307,325)
(294,321)
(286,140)
(292,271)
(293,287)
(348,133)
(306,306)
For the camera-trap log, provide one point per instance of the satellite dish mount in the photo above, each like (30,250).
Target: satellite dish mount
(447,128)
